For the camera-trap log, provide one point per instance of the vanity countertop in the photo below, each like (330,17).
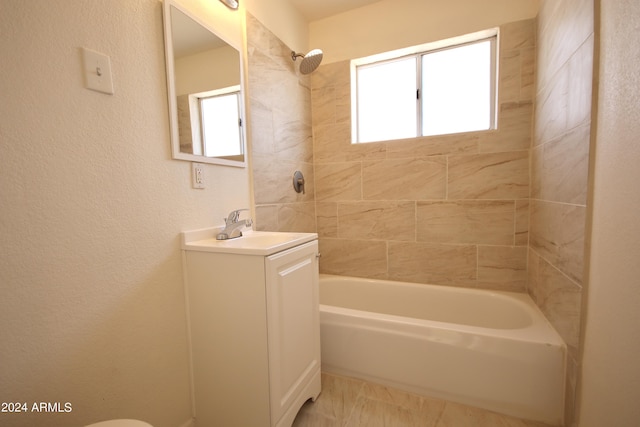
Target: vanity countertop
(262,243)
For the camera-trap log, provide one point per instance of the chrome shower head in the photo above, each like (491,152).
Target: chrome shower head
(310,61)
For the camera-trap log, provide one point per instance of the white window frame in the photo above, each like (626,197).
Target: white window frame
(490,34)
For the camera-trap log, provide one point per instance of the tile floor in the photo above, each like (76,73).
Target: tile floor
(348,402)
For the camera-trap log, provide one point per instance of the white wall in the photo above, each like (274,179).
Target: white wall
(209,70)
(392,24)
(91,207)
(283,20)
(610,388)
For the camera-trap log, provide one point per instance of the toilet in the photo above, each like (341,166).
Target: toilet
(120,423)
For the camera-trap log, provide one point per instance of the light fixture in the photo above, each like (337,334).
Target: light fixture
(233,4)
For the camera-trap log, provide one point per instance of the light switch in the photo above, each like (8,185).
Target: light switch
(197,175)
(97,71)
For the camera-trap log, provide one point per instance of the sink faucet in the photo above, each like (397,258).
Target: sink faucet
(233,226)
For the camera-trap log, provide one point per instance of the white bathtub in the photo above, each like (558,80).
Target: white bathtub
(493,350)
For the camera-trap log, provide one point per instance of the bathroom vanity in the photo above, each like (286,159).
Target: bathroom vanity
(253,313)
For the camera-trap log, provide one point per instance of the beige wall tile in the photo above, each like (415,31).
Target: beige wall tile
(522,223)
(332,143)
(323,104)
(266,218)
(327,219)
(528,73)
(364,152)
(580,85)
(557,234)
(537,172)
(292,137)
(405,179)
(264,78)
(518,35)
(552,108)
(470,221)
(565,25)
(270,178)
(281,143)
(517,61)
(502,268)
(261,128)
(560,168)
(533,261)
(570,390)
(297,217)
(489,176)
(452,265)
(510,76)
(258,36)
(336,73)
(273,180)
(343,103)
(338,181)
(560,300)
(433,146)
(377,220)
(514,129)
(359,258)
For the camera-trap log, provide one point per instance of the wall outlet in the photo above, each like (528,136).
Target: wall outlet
(197,175)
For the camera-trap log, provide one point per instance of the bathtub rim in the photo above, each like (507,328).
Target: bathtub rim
(540,331)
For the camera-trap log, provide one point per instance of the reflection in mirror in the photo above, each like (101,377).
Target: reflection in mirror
(205,92)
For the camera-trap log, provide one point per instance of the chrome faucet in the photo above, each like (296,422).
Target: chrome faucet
(233,226)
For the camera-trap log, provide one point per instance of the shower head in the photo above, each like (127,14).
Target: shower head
(310,61)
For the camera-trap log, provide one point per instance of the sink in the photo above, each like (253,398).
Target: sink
(250,243)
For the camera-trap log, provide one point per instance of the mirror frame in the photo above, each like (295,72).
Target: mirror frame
(171,91)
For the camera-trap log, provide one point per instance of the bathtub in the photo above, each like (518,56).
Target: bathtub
(489,349)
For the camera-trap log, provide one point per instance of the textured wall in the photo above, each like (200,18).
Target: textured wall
(91,207)
(449,210)
(392,24)
(280,111)
(610,381)
(560,160)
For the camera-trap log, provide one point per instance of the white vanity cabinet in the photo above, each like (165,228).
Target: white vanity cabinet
(254,330)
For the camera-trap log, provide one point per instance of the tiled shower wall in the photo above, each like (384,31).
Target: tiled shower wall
(450,210)
(280,111)
(560,158)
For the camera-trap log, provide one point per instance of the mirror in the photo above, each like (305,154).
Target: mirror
(204,82)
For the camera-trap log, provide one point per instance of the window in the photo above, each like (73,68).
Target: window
(440,88)
(216,125)
(221,125)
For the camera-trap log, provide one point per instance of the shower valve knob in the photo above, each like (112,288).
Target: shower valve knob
(298,182)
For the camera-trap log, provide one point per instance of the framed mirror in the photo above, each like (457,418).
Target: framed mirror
(205,89)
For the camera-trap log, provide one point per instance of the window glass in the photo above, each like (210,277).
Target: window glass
(456,89)
(220,125)
(387,100)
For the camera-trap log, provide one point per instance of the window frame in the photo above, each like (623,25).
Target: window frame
(418,51)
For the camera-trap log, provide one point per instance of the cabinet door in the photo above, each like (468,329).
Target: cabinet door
(293,324)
